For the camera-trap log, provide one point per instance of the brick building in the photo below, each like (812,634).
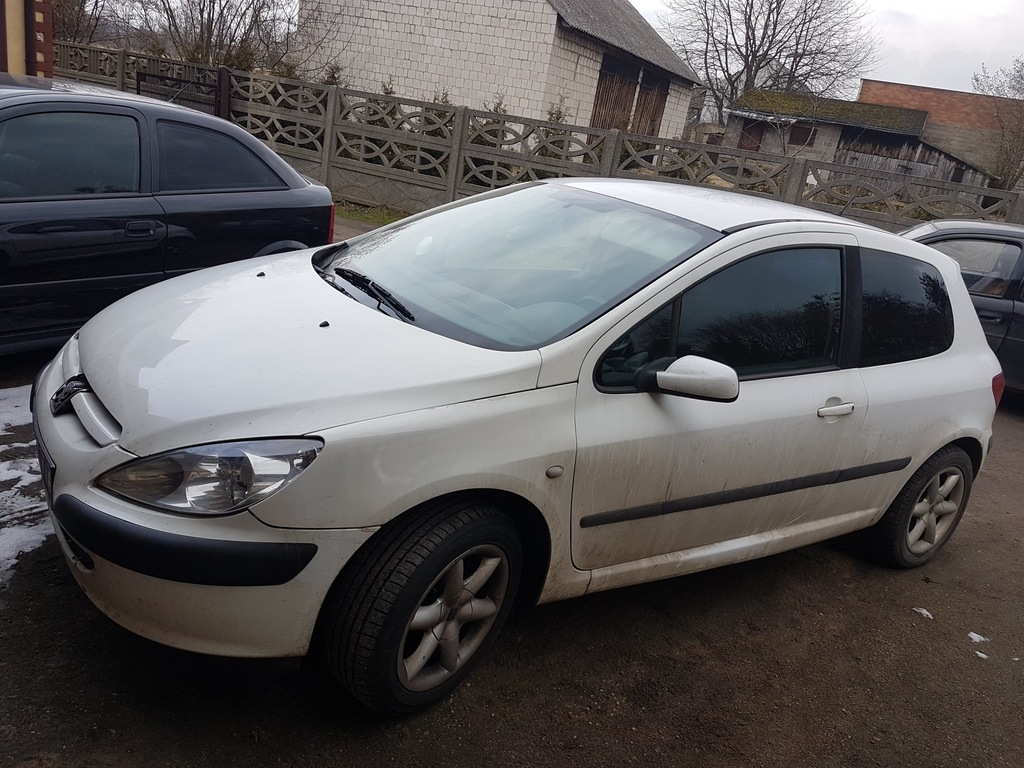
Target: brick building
(967,125)
(26,37)
(854,133)
(599,60)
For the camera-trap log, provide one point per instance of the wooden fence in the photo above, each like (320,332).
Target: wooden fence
(412,155)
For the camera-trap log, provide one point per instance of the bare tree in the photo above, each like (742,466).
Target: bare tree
(251,35)
(813,46)
(77,21)
(1006,87)
(233,33)
(89,21)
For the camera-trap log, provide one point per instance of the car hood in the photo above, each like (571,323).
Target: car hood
(267,348)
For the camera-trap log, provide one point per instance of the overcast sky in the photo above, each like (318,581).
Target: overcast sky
(938,43)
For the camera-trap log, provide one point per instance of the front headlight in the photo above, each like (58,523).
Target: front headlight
(213,479)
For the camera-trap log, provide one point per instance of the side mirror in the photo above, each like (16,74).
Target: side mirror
(691,376)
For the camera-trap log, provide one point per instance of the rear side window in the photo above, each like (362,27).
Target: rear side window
(63,154)
(986,265)
(906,310)
(194,159)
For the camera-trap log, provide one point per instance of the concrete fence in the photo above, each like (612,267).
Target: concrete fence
(411,155)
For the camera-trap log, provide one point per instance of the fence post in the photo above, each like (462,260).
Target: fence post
(327,145)
(459,124)
(122,64)
(610,155)
(793,189)
(1015,211)
(223,105)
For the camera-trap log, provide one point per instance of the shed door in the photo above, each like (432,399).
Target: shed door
(752,135)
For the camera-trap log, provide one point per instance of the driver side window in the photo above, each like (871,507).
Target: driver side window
(777,312)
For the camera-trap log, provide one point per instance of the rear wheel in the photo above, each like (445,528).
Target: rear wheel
(927,511)
(416,610)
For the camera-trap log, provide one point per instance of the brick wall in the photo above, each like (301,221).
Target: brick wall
(826,140)
(474,50)
(575,67)
(673,122)
(965,125)
(971,110)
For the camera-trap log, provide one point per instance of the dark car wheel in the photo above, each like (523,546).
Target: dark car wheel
(926,512)
(416,610)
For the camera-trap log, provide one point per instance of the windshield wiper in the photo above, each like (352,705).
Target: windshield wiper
(375,291)
(333,281)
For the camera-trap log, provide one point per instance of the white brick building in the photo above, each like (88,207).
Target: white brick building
(598,59)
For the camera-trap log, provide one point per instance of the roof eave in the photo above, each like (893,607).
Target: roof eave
(774,117)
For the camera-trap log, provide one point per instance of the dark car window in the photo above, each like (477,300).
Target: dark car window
(906,310)
(986,265)
(196,159)
(774,313)
(41,155)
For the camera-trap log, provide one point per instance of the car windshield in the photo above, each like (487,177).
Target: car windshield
(522,267)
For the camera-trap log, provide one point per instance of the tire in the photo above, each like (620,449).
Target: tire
(924,515)
(416,611)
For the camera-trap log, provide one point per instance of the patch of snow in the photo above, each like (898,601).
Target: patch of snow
(23,519)
(924,612)
(14,410)
(17,539)
(976,638)
(981,655)
(24,471)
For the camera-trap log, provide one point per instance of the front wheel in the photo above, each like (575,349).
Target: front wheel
(926,512)
(415,611)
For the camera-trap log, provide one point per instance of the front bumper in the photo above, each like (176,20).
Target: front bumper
(229,586)
(186,559)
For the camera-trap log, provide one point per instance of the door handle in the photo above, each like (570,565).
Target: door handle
(991,317)
(835,410)
(140,228)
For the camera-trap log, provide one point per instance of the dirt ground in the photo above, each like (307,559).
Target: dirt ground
(812,658)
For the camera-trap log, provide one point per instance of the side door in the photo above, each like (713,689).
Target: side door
(78,225)
(223,203)
(661,473)
(992,269)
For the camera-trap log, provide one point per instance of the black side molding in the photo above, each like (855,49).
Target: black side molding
(185,559)
(743,494)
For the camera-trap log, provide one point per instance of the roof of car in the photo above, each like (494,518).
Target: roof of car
(966,225)
(17,86)
(714,208)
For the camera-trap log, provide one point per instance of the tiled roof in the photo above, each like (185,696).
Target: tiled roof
(618,23)
(803,106)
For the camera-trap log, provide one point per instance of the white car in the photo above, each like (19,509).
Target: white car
(374,449)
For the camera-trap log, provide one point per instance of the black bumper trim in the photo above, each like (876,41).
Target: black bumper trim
(185,559)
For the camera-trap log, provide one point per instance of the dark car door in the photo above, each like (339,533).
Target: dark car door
(78,226)
(992,267)
(223,202)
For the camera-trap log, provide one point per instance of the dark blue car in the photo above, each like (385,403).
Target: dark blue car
(989,255)
(102,193)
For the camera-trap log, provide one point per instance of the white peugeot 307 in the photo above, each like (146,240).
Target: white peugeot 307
(374,449)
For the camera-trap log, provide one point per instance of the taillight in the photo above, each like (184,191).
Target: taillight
(998,385)
(330,229)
